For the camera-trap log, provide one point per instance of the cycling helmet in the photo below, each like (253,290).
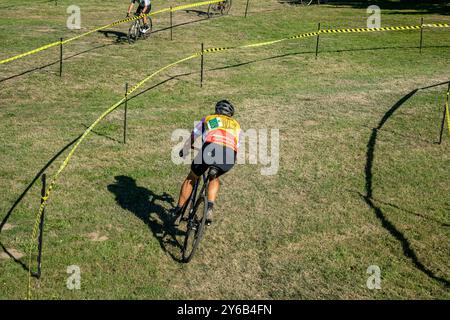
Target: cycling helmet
(225,107)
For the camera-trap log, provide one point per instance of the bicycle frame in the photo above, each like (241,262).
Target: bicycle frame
(193,197)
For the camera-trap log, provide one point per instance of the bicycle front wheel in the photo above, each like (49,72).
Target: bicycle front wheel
(133,32)
(195,228)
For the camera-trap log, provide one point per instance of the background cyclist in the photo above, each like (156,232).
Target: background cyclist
(144,8)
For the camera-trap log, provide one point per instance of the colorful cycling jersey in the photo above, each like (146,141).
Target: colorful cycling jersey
(142,3)
(219,129)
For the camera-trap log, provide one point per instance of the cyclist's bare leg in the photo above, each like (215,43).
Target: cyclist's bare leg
(186,188)
(145,17)
(213,189)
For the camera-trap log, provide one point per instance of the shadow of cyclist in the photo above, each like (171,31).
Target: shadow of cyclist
(148,207)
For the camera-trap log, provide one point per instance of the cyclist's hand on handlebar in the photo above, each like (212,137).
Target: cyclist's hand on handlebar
(128,15)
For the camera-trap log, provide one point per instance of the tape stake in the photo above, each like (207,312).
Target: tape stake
(60,56)
(171,23)
(421,34)
(246,8)
(125,115)
(447,111)
(318,38)
(201,65)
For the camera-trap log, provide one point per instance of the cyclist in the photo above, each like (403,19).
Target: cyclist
(220,136)
(144,8)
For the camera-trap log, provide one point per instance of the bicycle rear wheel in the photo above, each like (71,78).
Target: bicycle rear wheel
(150,28)
(195,228)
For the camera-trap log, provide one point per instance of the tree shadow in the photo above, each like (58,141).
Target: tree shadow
(368,196)
(403,6)
(148,206)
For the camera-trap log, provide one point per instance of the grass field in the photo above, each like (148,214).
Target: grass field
(361,179)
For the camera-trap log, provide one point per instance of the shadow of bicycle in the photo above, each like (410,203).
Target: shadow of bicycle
(151,209)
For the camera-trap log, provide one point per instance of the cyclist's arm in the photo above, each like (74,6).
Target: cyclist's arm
(130,7)
(197,132)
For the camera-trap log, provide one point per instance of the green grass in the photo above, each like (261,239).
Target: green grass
(304,233)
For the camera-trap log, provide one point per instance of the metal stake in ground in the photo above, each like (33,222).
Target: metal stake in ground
(421,35)
(171,23)
(444,115)
(201,67)
(41,229)
(125,115)
(318,37)
(246,8)
(60,56)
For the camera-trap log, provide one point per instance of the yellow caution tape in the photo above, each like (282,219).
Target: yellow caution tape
(142,82)
(53,44)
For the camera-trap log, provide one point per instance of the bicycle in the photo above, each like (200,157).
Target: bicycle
(196,218)
(134,32)
(221,8)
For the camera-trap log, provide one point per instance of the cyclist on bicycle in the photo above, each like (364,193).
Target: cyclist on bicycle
(220,135)
(144,8)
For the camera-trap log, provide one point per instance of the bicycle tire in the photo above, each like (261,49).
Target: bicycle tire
(182,214)
(194,233)
(150,28)
(133,32)
(212,8)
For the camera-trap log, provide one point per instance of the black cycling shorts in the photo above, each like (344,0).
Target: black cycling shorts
(140,8)
(215,155)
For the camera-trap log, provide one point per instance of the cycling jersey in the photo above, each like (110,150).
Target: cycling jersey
(219,129)
(142,2)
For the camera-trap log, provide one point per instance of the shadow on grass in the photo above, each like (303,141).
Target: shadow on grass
(18,261)
(103,135)
(401,6)
(368,196)
(147,206)
(121,37)
(36,177)
(53,63)
(22,195)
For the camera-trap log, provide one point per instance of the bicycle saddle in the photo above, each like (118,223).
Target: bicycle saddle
(213,172)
